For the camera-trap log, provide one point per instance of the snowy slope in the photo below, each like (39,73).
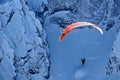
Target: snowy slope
(116,46)
(23,46)
(84,42)
(80,43)
(66,55)
(37,5)
(113,67)
(4,1)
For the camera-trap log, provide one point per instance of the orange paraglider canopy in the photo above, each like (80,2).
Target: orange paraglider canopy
(75,25)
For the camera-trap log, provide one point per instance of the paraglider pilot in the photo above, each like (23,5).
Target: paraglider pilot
(83,61)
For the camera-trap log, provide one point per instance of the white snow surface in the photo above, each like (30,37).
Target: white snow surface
(23,52)
(116,46)
(80,43)
(83,42)
(37,5)
(116,66)
(31,59)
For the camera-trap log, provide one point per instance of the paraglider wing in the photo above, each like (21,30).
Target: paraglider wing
(62,36)
(75,25)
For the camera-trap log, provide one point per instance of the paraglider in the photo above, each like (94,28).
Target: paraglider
(82,61)
(76,25)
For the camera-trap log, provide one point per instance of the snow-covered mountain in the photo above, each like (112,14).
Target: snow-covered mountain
(84,42)
(24,40)
(23,48)
(113,66)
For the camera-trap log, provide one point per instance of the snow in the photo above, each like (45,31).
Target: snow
(79,74)
(37,5)
(65,56)
(115,59)
(116,46)
(23,54)
(80,43)
(3,1)
(24,43)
